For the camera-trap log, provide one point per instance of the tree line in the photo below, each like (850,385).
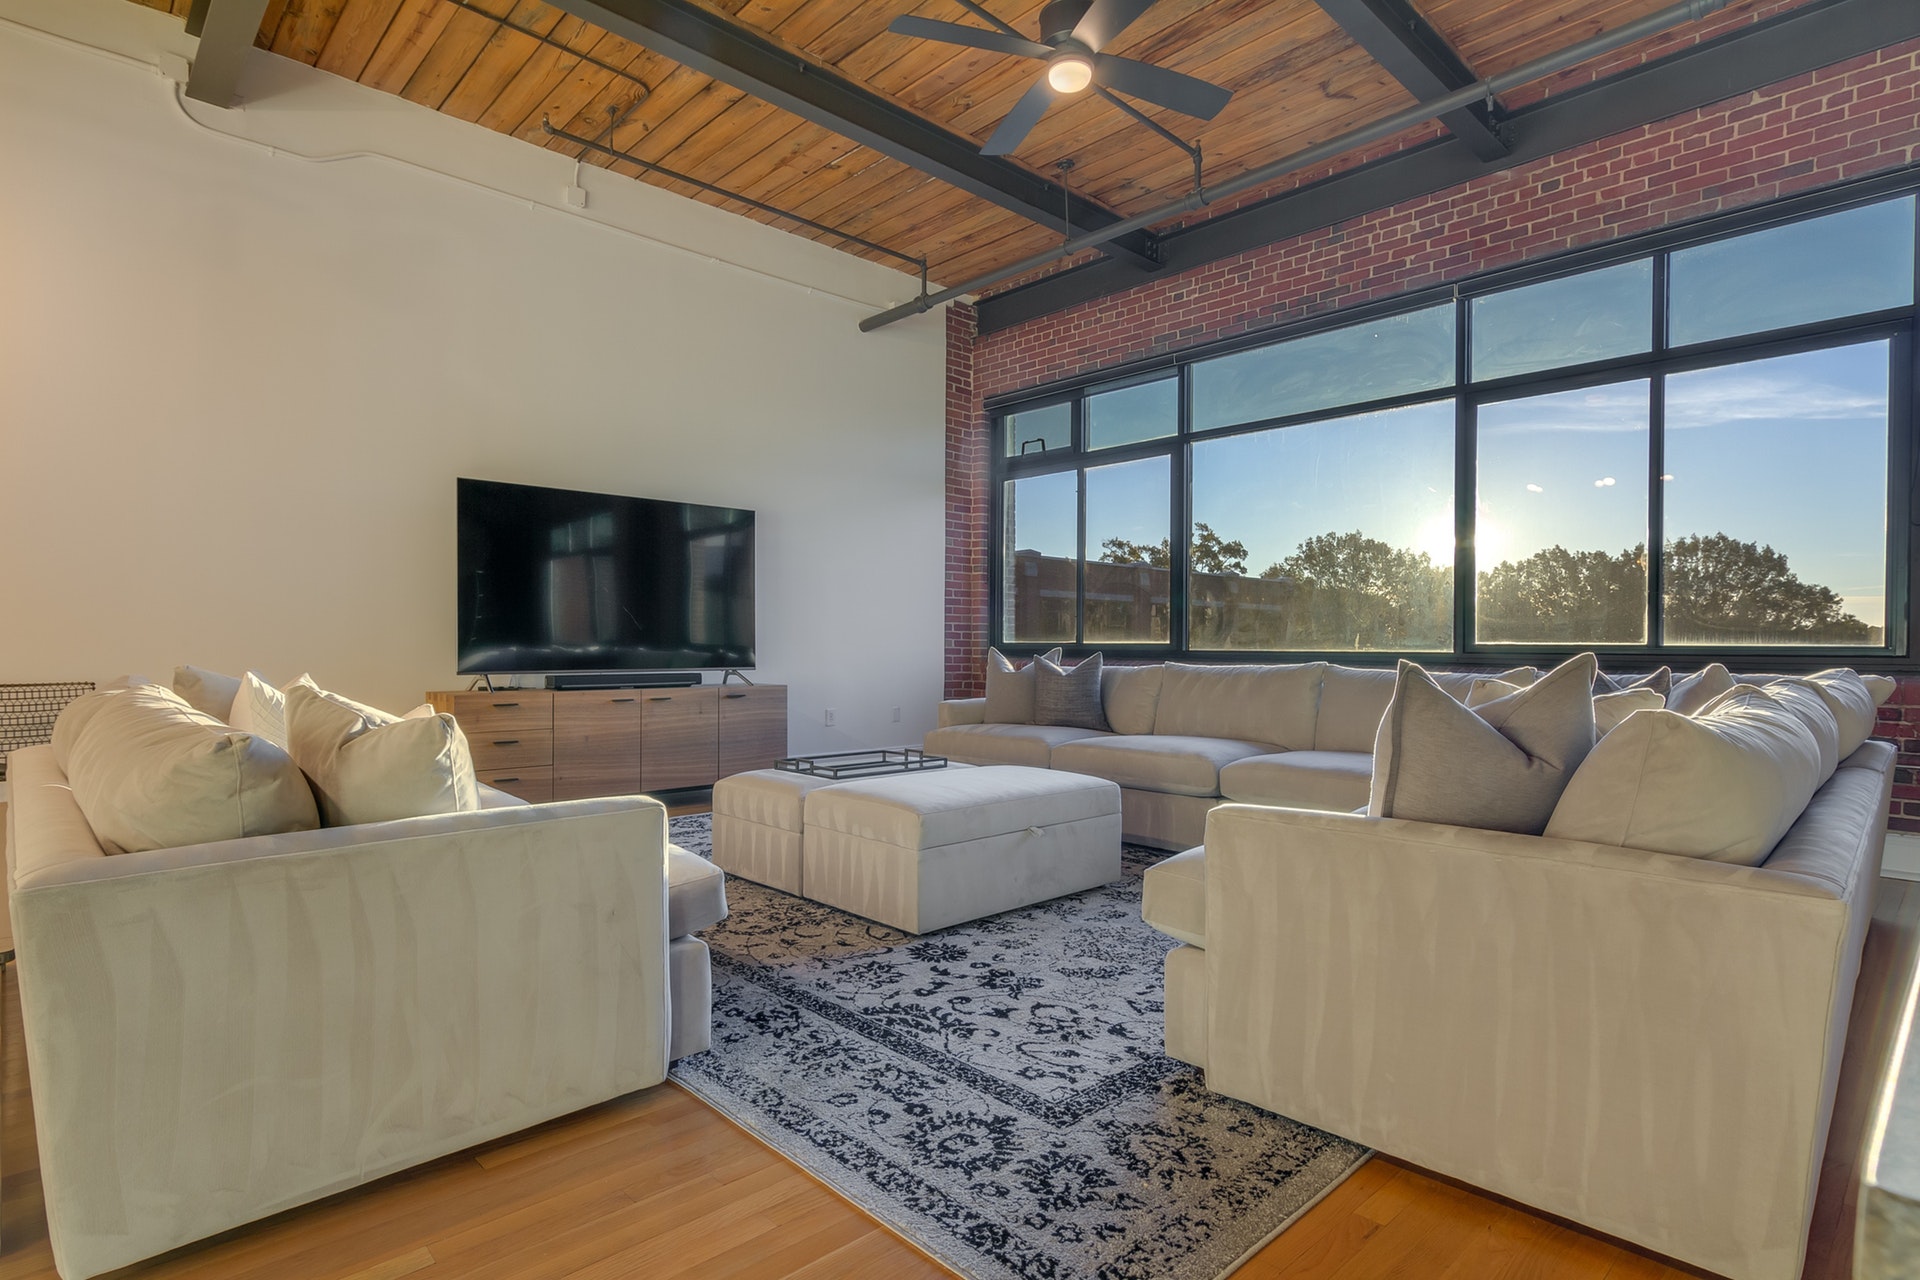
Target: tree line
(1347,590)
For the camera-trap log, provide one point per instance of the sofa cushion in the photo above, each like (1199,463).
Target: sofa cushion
(1026,744)
(1173,898)
(1336,781)
(1881,687)
(1693,692)
(1173,763)
(1805,700)
(207,691)
(696,893)
(1010,688)
(1845,693)
(1068,696)
(1243,703)
(1352,700)
(1129,695)
(369,766)
(1725,784)
(151,772)
(1501,766)
(1610,709)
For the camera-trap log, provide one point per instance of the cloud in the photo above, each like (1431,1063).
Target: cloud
(1714,398)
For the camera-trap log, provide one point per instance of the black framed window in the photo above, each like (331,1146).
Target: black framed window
(1699,440)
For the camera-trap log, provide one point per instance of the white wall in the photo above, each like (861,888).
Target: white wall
(236,386)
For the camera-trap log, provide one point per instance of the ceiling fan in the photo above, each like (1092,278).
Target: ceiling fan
(1072,33)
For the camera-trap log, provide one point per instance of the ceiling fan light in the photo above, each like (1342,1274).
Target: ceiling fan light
(1069,73)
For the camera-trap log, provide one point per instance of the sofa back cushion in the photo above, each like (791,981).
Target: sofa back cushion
(367,765)
(1725,784)
(1244,703)
(1130,696)
(207,691)
(1352,700)
(151,772)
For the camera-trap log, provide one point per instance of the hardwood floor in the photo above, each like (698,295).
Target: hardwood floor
(658,1185)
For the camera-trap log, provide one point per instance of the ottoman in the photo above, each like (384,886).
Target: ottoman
(922,851)
(756,825)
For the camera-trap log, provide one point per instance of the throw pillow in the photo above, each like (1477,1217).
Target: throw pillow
(1881,687)
(369,766)
(1723,785)
(1690,695)
(1500,766)
(1609,709)
(151,772)
(262,709)
(1010,688)
(1660,681)
(207,691)
(1068,696)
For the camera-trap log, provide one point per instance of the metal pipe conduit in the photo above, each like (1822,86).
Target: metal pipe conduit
(1479,90)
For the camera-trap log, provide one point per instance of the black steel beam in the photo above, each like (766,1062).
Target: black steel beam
(1802,40)
(1395,35)
(227,30)
(707,42)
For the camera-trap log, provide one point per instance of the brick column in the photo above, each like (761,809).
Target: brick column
(967,510)
(1900,725)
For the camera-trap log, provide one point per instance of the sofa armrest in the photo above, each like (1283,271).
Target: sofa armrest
(321,1008)
(1634,1041)
(962,711)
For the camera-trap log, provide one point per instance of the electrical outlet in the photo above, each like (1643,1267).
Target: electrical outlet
(829,717)
(896,715)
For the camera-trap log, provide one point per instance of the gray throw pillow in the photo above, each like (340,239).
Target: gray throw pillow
(1500,766)
(1068,696)
(1010,688)
(1661,682)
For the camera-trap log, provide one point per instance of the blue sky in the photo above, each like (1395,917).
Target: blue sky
(1789,451)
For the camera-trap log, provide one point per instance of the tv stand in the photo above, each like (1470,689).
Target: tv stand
(569,744)
(628,680)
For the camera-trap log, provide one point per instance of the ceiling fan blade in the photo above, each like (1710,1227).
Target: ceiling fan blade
(972,37)
(1019,123)
(1107,19)
(1182,93)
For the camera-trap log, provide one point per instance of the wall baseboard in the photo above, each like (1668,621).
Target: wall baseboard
(1902,861)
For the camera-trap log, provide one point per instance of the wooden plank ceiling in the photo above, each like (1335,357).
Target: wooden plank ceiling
(1296,77)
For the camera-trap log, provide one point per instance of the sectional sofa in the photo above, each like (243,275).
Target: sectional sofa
(1184,737)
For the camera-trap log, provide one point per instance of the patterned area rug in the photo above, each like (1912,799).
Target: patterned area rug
(996,1092)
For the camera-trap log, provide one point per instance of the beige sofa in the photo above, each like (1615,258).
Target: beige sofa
(1644,1043)
(220,1032)
(1186,737)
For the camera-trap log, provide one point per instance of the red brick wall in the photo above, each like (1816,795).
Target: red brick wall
(1854,118)
(966,627)
(1900,725)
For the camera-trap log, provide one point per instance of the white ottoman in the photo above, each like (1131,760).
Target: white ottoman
(757,825)
(922,851)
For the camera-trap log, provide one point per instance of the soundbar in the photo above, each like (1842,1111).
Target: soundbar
(626,680)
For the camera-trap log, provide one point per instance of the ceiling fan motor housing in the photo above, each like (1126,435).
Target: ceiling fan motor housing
(1059,17)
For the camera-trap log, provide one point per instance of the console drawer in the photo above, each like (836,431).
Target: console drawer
(510,748)
(534,785)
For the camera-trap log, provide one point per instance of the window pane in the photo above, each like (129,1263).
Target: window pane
(1593,316)
(1776,500)
(1129,415)
(1040,430)
(1326,536)
(1399,355)
(1821,269)
(1039,588)
(1127,524)
(1560,526)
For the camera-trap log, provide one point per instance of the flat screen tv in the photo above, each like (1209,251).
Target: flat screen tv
(553,580)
